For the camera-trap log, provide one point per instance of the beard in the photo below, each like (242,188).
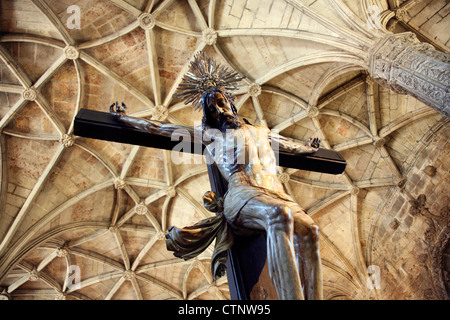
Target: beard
(228,122)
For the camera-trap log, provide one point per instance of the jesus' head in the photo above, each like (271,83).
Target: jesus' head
(219,111)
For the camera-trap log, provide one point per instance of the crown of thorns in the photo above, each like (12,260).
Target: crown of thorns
(203,74)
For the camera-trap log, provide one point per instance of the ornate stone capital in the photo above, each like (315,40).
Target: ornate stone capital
(71,53)
(403,64)
(385,54)
(146,21)
(401,15)
(209,36)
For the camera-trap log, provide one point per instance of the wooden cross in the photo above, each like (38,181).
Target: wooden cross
(247,275)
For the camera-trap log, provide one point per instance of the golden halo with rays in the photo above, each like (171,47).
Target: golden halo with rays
(205,73)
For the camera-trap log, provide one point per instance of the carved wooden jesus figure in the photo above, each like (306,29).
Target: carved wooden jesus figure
(255,199)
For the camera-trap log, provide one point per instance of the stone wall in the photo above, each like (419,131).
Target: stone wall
(412,229)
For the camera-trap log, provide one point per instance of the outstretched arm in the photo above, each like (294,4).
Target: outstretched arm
(293,147)
(156,127)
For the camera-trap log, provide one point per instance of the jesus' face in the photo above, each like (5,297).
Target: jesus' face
(219,108)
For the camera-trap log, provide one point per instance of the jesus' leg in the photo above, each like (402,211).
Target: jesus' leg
(281,254)
(275,218)
(306,244)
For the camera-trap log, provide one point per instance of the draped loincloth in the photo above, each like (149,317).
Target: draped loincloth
(190,241)
(239,194)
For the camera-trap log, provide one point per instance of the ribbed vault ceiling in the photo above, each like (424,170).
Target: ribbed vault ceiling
(71,204)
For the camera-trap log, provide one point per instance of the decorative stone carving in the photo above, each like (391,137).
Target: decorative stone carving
(119,184)
(312,111)
(379,142)
(160,113)
(391,25)
(29,94)
(419,206)
(254,90)
(113,229)
(171,192)
(400,182)
(354,191)
(146,21)
(439,267)
(209,36)
(66,140)
(141,209)
(161,235)
(62,252)
(406,66)
(33,275)
(60,296)
(436,231)
(430,231)
(401,15)
(129,275)
(284,177)
(430,171)
(71,53)
(444,212)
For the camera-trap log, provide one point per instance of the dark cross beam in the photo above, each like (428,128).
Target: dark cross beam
(246,269)
(103,126)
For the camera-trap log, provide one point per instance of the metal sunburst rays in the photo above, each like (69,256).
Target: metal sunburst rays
(203,74)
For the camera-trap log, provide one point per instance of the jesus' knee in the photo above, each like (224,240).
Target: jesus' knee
(279,217)
(310,237)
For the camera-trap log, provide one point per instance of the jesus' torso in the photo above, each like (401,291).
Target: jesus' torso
(245,154)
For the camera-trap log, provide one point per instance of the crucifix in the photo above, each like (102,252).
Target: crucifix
(255,221)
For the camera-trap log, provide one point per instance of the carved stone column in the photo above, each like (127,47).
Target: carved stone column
(403,64)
